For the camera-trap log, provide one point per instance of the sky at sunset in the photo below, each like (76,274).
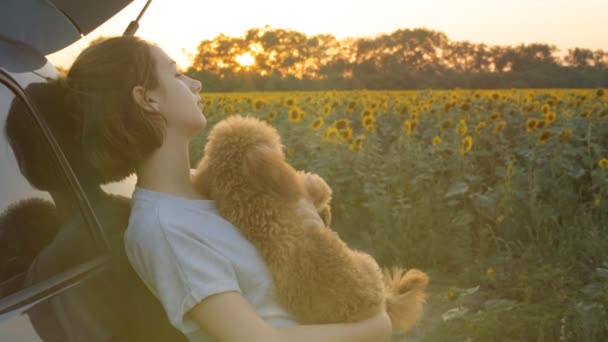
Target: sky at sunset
(179,25)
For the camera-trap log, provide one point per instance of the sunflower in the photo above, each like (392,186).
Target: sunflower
(367,112)
(545,108)
(600,93)
(369,123)
(258,105)
(295,115)
(331,135)
(500,125)
(228,109)
(436,140)
(462,127)
(603,163)
(531,125)
(446,124)
(467,144)
(544,136)
(415,115)
(539,124)
(407,127)
(271,116)
(342,124)
(346,134)
(550,118)
(317,123)
(481,125)
(356,145)
(290,102)
(565,135)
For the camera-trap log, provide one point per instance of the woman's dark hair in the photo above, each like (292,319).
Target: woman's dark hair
(92,114)
(117,134)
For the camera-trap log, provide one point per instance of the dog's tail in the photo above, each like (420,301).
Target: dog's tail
(405,296)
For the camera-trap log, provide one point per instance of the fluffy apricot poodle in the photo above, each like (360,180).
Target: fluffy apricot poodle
(318,278)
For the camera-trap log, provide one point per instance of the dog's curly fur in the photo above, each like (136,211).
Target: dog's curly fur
(318,278)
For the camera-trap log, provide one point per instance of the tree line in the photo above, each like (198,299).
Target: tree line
(279,59)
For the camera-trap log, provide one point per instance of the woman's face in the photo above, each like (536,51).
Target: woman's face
(177,96)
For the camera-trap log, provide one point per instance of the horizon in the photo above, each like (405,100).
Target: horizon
(179,32)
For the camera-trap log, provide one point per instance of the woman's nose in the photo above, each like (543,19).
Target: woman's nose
(195,85)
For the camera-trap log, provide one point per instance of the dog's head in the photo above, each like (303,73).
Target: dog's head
(246,153)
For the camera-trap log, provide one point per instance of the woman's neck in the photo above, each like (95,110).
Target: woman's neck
(168,169)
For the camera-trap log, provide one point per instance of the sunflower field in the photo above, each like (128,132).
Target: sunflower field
(500,195)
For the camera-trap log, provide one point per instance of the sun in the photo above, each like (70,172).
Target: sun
(245,59)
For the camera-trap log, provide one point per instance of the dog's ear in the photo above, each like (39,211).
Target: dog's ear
(266,168)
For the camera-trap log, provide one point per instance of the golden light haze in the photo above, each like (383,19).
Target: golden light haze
(179,25)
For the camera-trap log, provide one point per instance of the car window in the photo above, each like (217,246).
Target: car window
(42,230)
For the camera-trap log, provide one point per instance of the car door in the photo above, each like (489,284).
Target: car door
(63,272)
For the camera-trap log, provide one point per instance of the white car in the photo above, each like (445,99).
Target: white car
(63,272)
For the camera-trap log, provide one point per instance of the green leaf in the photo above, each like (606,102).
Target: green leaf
(463,218)
(470,291)
(454,313)
(457,189)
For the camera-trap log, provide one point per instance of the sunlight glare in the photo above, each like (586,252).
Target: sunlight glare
(245,59)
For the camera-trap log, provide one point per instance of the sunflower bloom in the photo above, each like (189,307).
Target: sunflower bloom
(346,134)
(331,135)
(369,123)
(500,125)
(462,127)
(603,163)
(467,144)
(531,125)
(270,117)
(545,108)
(565,135)
(481,125)
(290,102)
(544,136)
(342,124)
(446,125)
(407,127)
(366,112)
(356,145)
(296,115)
(539,124)
(317,123)
(258,105)
(436,140)
(550,118)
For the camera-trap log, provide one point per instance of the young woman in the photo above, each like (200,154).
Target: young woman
(138,114)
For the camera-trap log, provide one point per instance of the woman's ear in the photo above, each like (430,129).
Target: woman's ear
(266,168)
(144,98)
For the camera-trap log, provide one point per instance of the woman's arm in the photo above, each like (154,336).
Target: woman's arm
(229,317)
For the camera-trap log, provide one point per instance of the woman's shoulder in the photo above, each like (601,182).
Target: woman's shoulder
(170,218)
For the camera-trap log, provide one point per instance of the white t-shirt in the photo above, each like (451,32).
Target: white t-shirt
(184,251)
